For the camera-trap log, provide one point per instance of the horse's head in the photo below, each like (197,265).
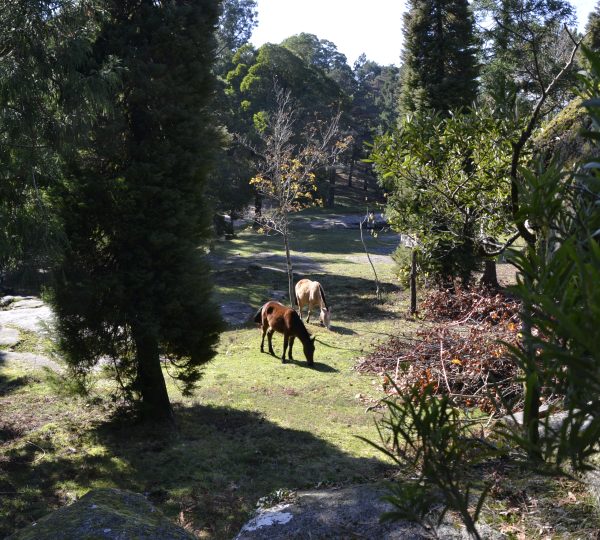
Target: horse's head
(326,317)
(309,349)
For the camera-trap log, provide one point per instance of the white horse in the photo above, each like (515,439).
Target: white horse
(310,293)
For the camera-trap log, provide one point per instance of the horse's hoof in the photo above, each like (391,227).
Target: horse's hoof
(283,360)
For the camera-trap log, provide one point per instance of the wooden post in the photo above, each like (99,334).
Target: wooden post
(413,281)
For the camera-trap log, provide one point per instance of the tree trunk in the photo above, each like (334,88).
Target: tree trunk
(489,278)
(150,379)
(257,210)
(366,180)
(531,409)
(232,216)
(350,172)
(413,282)
(288,261)
(362,239)
(331,189)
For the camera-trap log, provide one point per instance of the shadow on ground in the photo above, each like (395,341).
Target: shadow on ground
(7,384)
(341,242)
(350,298)
(210,471)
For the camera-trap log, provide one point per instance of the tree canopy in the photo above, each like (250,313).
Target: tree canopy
(439,57)
(447,187)
(41,46)
(133,284)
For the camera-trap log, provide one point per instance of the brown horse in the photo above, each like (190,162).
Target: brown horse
(275,317)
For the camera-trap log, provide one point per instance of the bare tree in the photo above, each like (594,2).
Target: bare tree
(370,218)
(288,159)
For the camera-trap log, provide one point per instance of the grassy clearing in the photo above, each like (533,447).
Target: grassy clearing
(254,428)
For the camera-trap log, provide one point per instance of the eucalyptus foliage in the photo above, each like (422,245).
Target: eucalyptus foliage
(447,187)
(435,445)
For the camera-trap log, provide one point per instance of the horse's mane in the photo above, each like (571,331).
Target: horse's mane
(323,296)
(303,332)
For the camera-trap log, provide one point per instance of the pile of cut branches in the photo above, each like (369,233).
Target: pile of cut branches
(476,305)
(461,354)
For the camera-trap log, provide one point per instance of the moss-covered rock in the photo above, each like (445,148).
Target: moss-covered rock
(560,138)
(105,514)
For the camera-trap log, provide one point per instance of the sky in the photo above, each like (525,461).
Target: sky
(355,26)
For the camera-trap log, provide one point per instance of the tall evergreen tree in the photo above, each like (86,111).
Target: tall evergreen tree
(41,45)
(593,29)
(524,46)
(439,57)
(133,284)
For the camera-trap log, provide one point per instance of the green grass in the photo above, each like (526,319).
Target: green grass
(254,428)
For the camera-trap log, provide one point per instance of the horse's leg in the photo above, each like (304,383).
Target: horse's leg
(308,314)
(269,339)
(262,343)
(285,346)
(292,338)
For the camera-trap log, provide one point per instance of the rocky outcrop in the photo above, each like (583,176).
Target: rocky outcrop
(28,313)
(109,514)
(351,512)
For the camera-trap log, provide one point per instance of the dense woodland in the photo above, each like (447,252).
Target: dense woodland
(134,134)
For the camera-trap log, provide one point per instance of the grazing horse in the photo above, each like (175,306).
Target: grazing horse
(310,293)
(275,317)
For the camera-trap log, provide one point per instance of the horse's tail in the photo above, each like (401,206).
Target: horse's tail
(323,296)
(258,315)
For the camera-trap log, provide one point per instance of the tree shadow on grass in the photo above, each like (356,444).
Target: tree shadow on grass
(338,347)
(329,241)
(212,468)
(9,385)
(350,298)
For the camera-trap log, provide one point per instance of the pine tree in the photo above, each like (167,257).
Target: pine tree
(41,45)
(593,29)
(133,285)
(524,46)
(439,57)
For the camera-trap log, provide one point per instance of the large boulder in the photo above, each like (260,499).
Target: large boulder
(110,514)
(337,514)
